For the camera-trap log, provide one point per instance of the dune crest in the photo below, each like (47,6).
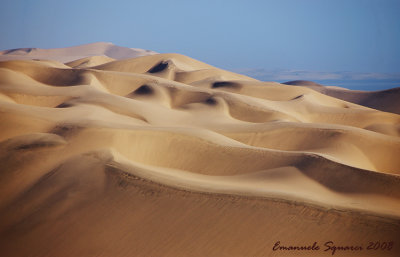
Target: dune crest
(73,53)
(163,155)
(383,100)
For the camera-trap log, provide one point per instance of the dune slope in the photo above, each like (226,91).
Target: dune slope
(69,54)
(383,100)
(163,155)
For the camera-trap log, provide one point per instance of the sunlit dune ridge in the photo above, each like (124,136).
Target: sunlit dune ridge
(164,155)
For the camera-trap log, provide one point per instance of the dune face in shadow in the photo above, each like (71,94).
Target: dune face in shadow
(211,101)
(144,90)
(159,67)
(225,84)
(163,155)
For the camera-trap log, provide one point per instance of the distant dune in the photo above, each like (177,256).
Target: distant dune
(163,155)
(73,53)
(384,100)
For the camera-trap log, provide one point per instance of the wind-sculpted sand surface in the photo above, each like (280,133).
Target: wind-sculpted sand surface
(163,155)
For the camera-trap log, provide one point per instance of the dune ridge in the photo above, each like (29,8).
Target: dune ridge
(73,53)
(163,155)
(383,100)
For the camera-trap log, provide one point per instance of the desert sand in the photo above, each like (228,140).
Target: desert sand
(383,100)
(111,151)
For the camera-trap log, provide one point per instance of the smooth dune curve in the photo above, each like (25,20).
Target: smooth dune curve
(163,155)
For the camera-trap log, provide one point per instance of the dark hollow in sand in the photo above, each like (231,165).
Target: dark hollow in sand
(143,90)
(64,105)
(159,67)
(211,101)
(226,84)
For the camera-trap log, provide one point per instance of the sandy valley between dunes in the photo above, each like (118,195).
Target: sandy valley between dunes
(113,151)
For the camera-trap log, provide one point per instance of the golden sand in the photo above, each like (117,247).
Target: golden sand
(163,155)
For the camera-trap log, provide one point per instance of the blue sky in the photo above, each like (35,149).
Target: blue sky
(310,35)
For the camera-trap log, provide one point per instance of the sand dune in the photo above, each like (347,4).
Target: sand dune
(163,155)
(384,100)
(88,62)
(69,54)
